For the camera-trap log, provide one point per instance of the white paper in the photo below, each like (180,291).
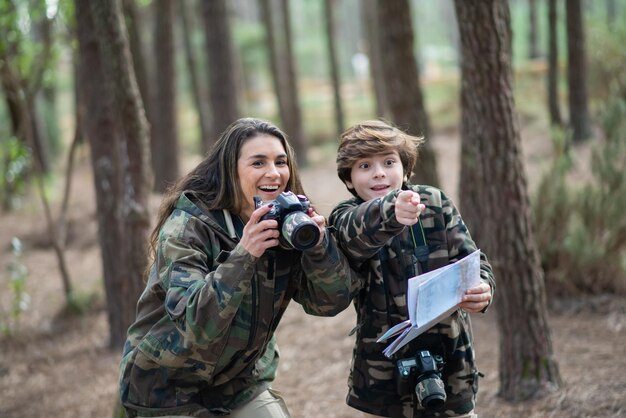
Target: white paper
(433,296)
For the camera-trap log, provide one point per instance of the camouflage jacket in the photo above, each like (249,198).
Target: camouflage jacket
(203,341)
(364,231)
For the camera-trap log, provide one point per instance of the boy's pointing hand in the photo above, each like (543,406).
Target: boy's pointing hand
(408,207)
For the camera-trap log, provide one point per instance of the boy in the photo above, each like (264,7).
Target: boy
(391,231)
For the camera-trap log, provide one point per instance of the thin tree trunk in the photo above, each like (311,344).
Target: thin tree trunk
(329,18)
(196,86)
(283,74)
(134,24)
(402,85)
(553,65)
(533,29)
(370,24)
(577,72)
(222,84)
(494,199)
(294,125)
(164,139)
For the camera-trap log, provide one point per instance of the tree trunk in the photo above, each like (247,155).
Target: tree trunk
(165,136)
(402,86)
(577,72)
(196,86)
(553,66)
(611,12)
(283,75)
(533,39)
(370,25)
(494,198)
(293,126)
(134,24)
(329,18)
(118,133)
(222,83)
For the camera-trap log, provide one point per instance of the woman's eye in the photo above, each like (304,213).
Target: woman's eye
(281,163)
(257,163)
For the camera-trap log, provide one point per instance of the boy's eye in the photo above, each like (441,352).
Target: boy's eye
(390,162)
(364,165)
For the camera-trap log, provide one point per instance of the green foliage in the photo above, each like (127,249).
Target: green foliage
(80,303)
(581,228)
(20,301)
(15,162)
(607,60)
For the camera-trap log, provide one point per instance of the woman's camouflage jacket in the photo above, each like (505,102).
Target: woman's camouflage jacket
(203,341)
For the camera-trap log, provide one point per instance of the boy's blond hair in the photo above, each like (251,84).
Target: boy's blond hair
(374,137)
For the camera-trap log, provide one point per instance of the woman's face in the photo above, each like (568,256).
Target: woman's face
(376,175)
(263,170)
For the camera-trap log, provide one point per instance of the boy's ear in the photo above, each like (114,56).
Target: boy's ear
(349,184)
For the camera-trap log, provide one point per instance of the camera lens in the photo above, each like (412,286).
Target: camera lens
(430,392)
(300,231)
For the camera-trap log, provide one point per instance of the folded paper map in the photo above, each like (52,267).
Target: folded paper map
(433,296)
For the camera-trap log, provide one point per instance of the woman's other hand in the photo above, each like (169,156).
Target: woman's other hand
(320,221)
(259,235)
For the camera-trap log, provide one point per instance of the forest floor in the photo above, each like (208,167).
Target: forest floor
(55,365)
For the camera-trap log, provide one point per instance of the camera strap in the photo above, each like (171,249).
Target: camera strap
(420,251)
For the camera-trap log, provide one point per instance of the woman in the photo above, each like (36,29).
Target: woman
(203,342)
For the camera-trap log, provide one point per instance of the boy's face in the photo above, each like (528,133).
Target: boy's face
(376,175)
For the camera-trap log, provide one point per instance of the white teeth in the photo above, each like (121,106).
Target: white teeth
(269,188)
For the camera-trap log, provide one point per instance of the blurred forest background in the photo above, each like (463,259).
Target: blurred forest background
(104,103)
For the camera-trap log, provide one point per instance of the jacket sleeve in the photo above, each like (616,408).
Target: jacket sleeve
(201,302)
(362,229)
(326,279)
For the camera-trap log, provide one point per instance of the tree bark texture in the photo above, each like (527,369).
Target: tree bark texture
(329,19)
(553,65)
(577,72)
(402,85)
(223,92)
(135,21)
(294,126)
(283,74)
(494,198)
(118,134)
(165,128)
(533,39)
(370,25)
(197,90)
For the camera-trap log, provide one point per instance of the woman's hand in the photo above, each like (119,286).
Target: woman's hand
(320,221)
(259,235)
(476,299)
(408,207)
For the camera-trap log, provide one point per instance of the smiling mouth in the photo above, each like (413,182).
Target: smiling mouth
(379,188)
(269,189)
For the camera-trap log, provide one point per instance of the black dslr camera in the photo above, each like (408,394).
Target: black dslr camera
(423,370)
(297,229)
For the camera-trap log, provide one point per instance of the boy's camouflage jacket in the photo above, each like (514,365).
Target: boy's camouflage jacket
(203,341)
(362,229)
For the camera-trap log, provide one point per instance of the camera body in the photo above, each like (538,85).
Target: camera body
(297,229)
(423,371)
